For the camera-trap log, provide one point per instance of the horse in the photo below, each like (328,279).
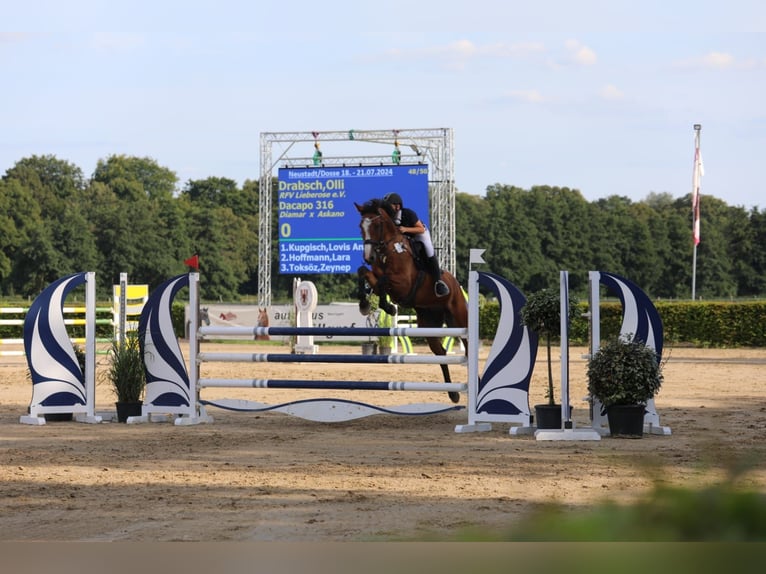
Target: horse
(394,273)
(263,321)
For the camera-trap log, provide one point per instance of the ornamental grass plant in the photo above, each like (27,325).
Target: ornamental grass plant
(126,369)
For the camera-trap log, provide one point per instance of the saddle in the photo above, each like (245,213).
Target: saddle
(418,253)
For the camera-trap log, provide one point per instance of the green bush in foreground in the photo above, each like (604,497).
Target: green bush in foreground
(669,514)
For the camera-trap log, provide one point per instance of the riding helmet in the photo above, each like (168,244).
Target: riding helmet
(393,198)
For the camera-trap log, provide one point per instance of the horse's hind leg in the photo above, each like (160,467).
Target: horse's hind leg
(435,344)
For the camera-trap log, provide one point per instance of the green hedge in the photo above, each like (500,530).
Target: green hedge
(703,324)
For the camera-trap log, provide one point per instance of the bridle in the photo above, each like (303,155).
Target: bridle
(380,247)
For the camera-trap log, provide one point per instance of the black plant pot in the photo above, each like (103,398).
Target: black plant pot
(125,410)
(549,416)
(626,421)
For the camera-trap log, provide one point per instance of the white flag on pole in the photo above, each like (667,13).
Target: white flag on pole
(699,171)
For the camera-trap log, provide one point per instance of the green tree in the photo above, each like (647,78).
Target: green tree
(138,223)
(516,246)
(130,177)
(62,242)
(471,216)
(714,266)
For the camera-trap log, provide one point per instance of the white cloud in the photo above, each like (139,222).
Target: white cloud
(109,42)
(612,92)
(529,96)
(580,54)
(457,54)
(719,61)
(12,37)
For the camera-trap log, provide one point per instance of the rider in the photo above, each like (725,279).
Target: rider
(410,225)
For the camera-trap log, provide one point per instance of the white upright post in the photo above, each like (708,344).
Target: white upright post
(567,432)
(473,347)
(123,307)
(90,352)
(598,421)
(194,392)
(566,413)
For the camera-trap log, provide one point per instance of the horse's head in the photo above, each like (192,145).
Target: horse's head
(377,228)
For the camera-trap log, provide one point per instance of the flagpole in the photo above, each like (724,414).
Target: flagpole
(695,205)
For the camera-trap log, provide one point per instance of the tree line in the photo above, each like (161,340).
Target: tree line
(132,215)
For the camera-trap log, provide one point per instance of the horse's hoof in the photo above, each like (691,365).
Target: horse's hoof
(454,397)
(364,308)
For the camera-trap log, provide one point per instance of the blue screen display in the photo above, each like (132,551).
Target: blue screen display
(318,222)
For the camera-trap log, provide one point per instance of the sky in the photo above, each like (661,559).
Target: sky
(592,95)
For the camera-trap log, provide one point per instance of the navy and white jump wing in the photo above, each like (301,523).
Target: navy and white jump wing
(504,384)
(167,380)
(57,379)
(639,315)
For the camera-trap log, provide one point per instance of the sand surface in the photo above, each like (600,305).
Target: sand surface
(265,477)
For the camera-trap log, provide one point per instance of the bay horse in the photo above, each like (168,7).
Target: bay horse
(394,273)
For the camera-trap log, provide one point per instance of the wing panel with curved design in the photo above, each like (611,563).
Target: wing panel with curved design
(57,379)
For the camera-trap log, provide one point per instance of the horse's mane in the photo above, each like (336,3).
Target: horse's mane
(371,207)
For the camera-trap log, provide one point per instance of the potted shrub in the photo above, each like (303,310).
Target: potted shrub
(542,314)
(623,375)
(127,376)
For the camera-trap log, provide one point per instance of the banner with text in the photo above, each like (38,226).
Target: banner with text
(318,223)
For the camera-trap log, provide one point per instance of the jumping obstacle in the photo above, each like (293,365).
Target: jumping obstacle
(498,394)
(568,430)
(59,385)
(640,321)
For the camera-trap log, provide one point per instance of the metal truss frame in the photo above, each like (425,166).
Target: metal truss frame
(432,146)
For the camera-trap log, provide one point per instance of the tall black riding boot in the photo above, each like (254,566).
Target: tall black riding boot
(440,287)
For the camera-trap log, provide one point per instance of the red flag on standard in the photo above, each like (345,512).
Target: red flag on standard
(192,262)
(699,171)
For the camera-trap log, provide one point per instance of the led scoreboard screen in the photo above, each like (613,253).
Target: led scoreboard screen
(318,222)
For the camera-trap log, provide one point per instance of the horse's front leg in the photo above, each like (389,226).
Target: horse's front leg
(366,281)
(385,304)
